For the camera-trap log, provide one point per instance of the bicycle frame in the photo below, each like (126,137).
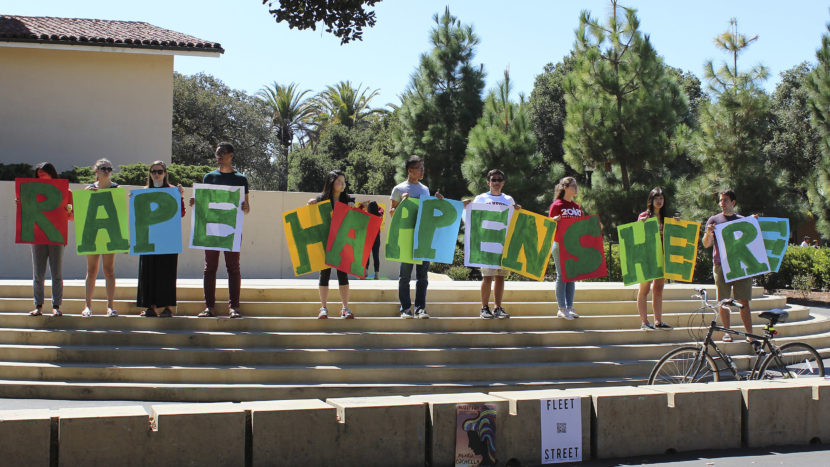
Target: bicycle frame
(761,344)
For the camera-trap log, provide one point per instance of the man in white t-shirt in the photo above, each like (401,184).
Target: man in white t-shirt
(495,179)
(412,188)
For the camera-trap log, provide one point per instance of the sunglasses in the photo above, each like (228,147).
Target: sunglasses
(105,169)
(497,180)
(157,171)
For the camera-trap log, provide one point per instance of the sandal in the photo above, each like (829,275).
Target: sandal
(35,312)
(166,313)
(727,338)
(56,312)
(206,314)
(148,313)
(233,313)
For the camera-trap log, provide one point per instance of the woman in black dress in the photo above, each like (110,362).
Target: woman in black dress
(157,273)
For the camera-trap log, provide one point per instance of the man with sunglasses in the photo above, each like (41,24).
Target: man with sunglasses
(225,175)
(495,179)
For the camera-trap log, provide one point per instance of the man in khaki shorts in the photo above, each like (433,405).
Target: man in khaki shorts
(495,179)
(741,289)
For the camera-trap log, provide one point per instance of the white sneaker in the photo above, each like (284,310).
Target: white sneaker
(564,313)
(112,313)
(572,312)
(86,313)
(324,313)
(346,313)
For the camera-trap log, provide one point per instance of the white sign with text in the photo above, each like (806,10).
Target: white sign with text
(561,430)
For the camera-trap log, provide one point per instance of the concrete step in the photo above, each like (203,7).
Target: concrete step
(387,309)
(437,323)
(366,290)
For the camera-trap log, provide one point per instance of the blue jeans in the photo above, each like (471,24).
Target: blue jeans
(420,285)
(564,290)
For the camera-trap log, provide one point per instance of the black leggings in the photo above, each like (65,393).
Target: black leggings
(325,274)
(375,254)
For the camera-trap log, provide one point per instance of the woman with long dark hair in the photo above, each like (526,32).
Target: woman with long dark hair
(52,254)
(656,208)
(334,190)
(157,273)
(564,207)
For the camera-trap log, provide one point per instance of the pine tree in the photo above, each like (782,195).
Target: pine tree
(734,128)
(622,108)
(503,139)
(819,84)
(441,104)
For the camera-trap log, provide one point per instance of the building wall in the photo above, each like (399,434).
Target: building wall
(264,251)
(73,107)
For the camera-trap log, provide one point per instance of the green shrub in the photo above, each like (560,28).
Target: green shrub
(12,171)
(459,273)
(821,268)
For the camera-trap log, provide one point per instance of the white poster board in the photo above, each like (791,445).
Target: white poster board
(561,430)
(217,225)
(484,238)
(741,249)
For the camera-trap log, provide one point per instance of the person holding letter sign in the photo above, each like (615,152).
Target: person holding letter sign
(657,209)
(103,181)
(495,179)
(157,273)
(334,190)
(43,253)
(227,176)
(564,207)
(741,289)
(412,188)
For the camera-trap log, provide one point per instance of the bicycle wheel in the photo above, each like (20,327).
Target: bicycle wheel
(683,365)
(793,360)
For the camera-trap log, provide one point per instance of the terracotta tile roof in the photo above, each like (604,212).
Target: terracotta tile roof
(98,32)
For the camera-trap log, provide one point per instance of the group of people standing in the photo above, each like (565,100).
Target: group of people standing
(157,273)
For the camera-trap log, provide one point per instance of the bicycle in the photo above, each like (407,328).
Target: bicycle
(700,363)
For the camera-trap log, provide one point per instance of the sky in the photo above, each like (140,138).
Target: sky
(521,35)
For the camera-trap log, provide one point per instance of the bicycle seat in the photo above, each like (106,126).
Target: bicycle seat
(775,316)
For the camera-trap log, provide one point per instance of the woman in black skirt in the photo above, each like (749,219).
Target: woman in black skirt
(157,273)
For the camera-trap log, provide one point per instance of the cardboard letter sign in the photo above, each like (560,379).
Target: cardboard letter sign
(528,244)
(41,213)
(485,229)
(436,230)
(580,248)
(401,235)
(741,248)
(641,251)
(217,217)
(101,221)
(776,232)
(306,232)
(680,243)
(350,239)
(155,221)
(561,430)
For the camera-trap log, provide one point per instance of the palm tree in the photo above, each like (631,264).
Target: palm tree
(291,118)
(346,105)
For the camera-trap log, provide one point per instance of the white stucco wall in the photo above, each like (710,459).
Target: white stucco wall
(264,251)
(73,107)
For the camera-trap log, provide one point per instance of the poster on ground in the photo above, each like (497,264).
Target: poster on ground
(561,420)
(485,229)
(216,223)
(41,211)
(475,435)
